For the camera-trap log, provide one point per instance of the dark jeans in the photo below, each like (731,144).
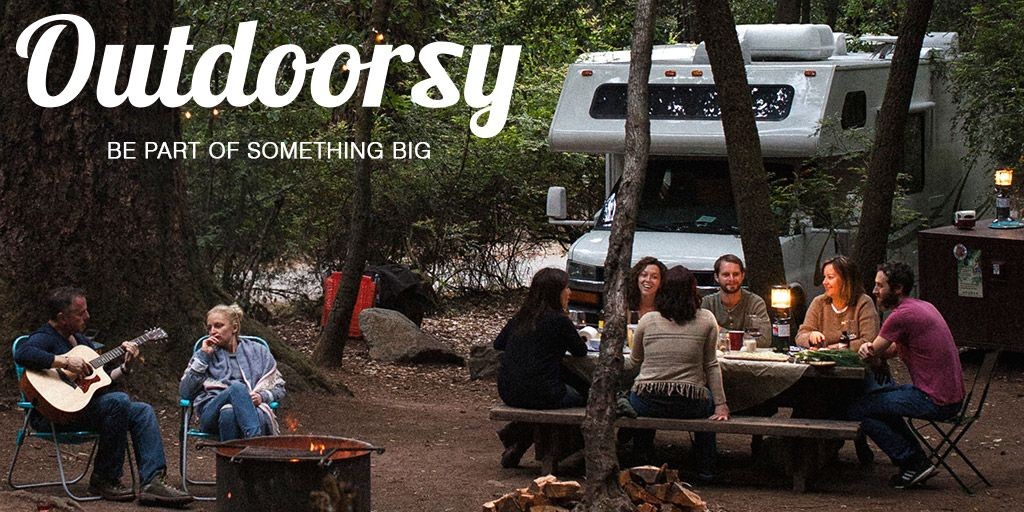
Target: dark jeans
(881,414)
(240,420)
(113,415)
(674,406)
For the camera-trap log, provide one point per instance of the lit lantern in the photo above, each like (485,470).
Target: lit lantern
(782,300)
(1004,178)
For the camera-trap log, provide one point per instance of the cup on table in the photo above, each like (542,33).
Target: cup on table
(749,344)
(723,341)
(735,340)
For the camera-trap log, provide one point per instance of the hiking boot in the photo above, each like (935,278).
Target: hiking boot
(110,490)
(159,492)
(913,475)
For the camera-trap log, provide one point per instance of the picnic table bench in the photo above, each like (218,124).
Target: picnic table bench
(553,427)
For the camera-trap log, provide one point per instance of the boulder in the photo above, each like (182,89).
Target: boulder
(484,362)
(393,337)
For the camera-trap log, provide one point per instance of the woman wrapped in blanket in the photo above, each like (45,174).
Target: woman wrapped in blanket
(232,381)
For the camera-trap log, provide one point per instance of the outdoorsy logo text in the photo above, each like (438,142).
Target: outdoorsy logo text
(495,105)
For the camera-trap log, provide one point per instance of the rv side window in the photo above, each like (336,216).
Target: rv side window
(913,153)
(855,111)
(697,102)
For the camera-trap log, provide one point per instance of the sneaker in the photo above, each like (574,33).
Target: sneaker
(159,492)
(913,476)
(513,454)
(110,490)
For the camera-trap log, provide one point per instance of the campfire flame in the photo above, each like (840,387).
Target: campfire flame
(291,423)
(317,447)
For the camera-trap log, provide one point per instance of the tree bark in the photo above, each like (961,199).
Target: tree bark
(602,490)
(117,228)
(887,153)
(750,188)
(69,215)
(787,11)
(332,343)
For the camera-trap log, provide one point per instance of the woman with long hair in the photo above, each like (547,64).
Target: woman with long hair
(842,317)
(679,373)
(533,343)
(644,283)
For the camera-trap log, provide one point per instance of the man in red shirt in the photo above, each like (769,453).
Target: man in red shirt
(916,333)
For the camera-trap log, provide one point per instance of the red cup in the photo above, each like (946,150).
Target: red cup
(735,340)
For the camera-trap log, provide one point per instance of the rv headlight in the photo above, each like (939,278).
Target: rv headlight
(581,271)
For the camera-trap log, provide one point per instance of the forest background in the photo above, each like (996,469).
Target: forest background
(471,214)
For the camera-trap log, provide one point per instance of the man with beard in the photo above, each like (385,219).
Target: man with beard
(735,308)
(916,333)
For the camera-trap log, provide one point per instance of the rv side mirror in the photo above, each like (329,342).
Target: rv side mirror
(557,208)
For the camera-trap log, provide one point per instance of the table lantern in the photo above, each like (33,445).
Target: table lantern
(1004,178)
(781,298)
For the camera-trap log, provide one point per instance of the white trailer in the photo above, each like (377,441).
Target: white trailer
(801,77)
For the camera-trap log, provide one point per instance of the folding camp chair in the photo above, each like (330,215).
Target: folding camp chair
(58,438)
(952,430)
(188,431)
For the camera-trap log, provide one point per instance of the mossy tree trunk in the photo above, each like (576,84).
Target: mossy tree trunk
(602,490)
(331,347)
(69,215)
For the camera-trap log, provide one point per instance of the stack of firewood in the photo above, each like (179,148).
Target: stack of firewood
(545,494)
(650,488)
(654,489)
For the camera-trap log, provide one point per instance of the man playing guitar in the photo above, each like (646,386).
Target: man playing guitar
(110,413)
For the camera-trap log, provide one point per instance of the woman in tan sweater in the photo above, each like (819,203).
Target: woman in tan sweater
(674,346)
(844,316)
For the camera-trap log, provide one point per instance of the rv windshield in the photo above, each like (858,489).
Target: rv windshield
(684,196)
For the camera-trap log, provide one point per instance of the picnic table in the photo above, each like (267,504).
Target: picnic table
(748,384)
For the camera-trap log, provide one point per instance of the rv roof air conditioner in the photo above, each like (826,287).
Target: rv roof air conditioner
(787,42)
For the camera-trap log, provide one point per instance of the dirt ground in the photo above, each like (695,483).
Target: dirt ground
(442,452)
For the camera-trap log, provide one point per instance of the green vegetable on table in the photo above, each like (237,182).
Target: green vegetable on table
(841,357)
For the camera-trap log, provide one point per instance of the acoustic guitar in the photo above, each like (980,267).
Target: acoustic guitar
(60,396)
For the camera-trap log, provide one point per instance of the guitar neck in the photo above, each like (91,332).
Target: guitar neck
(118,351)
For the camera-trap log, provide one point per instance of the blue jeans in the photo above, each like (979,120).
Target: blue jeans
(881,414)
(674,406)
(113,415)
(231,414)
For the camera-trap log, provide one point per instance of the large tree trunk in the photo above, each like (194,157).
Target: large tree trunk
(750,188)
(71,216)
(602,491)
(887,154)
(335,335)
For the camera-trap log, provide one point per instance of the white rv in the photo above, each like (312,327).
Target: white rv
(800,77)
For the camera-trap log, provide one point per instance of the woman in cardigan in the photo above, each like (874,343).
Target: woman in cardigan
(232,381)
(533,343)
(679,373)
(844,316)
(645,281)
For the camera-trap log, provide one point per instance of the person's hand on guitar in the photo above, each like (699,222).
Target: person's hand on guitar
(256,398)
(73,364)
(131,351)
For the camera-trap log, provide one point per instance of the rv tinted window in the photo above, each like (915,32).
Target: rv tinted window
(771,102)
(855,110)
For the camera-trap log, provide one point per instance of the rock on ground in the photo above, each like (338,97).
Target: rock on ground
(392,337)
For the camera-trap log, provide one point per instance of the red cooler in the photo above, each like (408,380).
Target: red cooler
(367,294)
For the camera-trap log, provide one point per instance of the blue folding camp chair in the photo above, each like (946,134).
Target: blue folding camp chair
(188,431)
(58,438)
